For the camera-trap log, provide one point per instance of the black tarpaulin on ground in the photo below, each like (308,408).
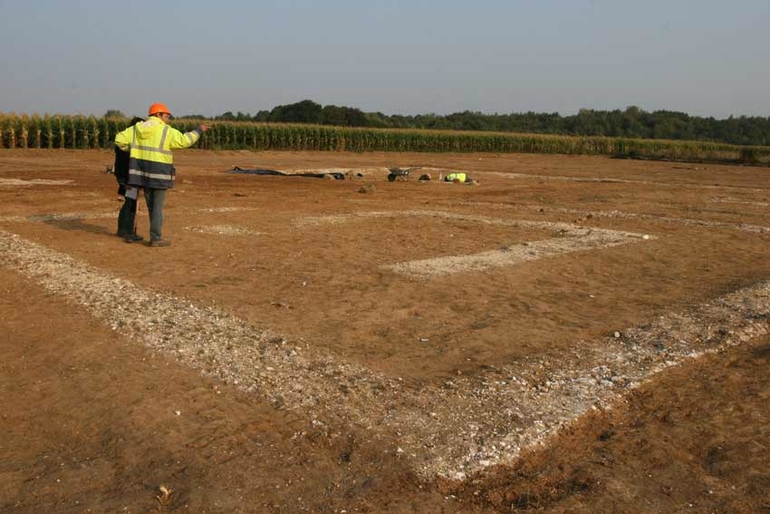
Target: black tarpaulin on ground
(263,171)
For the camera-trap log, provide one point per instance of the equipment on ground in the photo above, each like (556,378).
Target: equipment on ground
(262,171)
(457,177)
(401,173)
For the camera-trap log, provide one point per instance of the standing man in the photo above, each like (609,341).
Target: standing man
(151,163)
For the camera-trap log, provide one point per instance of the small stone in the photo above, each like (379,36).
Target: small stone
(367,189)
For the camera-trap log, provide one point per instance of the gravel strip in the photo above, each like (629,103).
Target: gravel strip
(451,430)
(223,230)
(569,241)
(565,238)
(70,216)
(65,216)
(627,215)
(562,178)
(547,225)
(17,182)
(741,202)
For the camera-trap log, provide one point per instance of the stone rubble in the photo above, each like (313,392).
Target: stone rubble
(451,430)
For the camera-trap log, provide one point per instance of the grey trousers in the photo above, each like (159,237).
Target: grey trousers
(155,199)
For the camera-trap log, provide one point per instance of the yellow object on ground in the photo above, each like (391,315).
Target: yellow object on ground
(455,176)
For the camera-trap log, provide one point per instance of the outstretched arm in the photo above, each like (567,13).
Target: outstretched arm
(186,139)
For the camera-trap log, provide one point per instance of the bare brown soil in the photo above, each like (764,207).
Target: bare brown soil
(570,334)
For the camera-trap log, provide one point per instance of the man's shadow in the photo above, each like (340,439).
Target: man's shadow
(77,224)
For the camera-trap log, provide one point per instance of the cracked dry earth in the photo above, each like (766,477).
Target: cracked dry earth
(568,334)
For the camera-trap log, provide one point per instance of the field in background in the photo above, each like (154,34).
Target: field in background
(80,132)
(569,333)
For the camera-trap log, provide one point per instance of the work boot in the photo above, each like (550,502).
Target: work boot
(132,238)
(160,242)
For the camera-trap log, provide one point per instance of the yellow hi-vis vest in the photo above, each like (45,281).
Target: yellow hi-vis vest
(149,143)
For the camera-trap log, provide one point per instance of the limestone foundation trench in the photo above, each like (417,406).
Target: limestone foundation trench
(451,430)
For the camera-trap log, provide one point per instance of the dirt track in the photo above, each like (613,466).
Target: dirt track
(571,334)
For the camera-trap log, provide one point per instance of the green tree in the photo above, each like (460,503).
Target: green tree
(306,111)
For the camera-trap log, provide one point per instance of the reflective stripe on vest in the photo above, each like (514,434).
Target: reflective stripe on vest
(160,148)
(155,175)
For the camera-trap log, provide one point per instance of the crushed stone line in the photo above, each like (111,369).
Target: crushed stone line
(565,178)
(227,230)
(17,182)
(567,238)
(226,209)
(511,255)
(452,430)
(741,202)
(333,219)
(611,180)
(667,219)
(65,216)
(71,216)
(629,215)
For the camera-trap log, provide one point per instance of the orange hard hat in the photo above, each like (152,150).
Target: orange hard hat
(158,108)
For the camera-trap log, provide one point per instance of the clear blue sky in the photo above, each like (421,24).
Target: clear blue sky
(703,57)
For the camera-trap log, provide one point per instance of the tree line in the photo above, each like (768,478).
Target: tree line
(81,132)
(632,122)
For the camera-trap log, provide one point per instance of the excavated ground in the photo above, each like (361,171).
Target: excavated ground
(565,334)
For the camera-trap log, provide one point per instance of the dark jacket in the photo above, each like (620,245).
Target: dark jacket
(121,169)
(121,164)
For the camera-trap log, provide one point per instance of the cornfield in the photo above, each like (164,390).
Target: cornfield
(81,132)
